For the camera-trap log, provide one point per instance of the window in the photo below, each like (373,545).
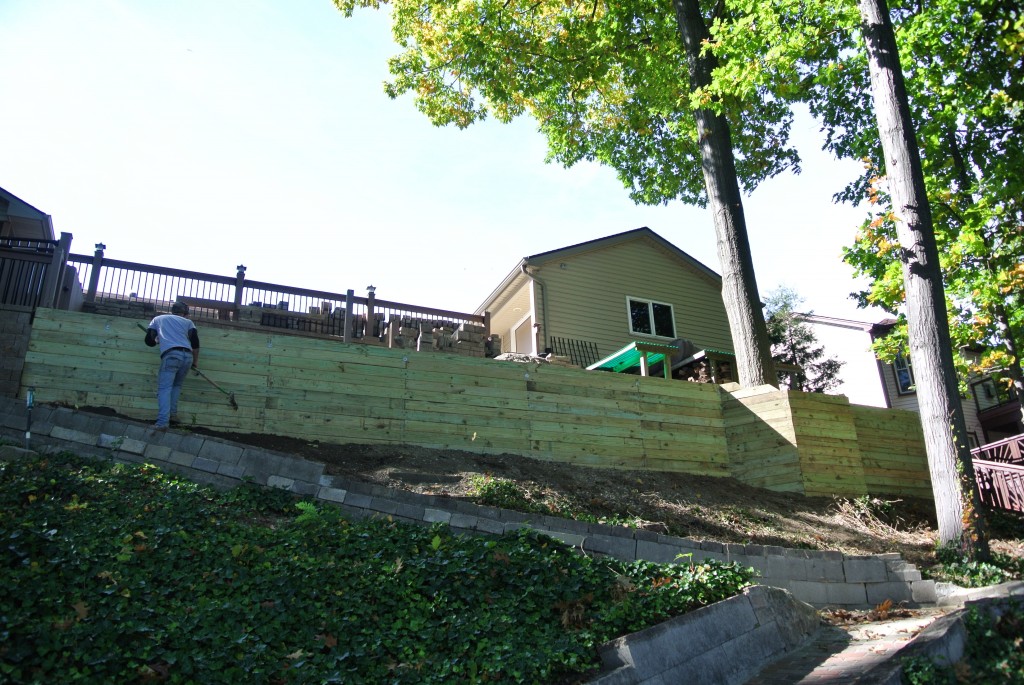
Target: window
(904,375)
(651,318)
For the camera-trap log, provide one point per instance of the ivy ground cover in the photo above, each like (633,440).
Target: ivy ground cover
(123,573)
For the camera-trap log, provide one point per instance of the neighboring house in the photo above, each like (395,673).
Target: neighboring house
(589,300)
(33,269)
(20,220)
(990,412)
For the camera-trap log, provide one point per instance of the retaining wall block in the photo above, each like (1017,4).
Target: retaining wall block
(304,488)
(863,569)
(209,465)
(812,592)
(71,435)
(661,553)
(279,482)
(437,516)
(229,454)
(385,506)
(487,525)
(620,548)
(846,594)
(830,570)
(329,494)
(570,539)
(464,521)
(233,471)
(924,591)
(357,499)
(897,592)
(785,567)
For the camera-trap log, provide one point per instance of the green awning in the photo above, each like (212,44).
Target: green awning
(633,356)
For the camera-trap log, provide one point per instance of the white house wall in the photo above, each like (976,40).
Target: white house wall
(858,376)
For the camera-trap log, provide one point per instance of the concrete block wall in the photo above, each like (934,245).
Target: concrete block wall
(820,578)
(15,330)
(727,643)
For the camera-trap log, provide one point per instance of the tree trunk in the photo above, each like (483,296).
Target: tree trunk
(949,459)
(739,286)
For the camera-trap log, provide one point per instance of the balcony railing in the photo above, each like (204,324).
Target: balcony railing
(32,272)
(150,289)
(999,472)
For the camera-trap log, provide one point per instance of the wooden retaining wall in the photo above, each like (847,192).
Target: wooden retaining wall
(318,389)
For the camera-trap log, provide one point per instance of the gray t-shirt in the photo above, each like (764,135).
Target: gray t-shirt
(174,331)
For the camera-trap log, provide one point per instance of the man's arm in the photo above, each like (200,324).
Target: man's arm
(193,338)
(151,337)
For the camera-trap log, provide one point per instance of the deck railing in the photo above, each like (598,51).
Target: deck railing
(31,272)
(210,296)
(999,472)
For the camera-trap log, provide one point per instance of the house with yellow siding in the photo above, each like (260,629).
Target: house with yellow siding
(587,301)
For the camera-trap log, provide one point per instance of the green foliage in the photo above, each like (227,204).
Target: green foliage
(606,82)
(794,344)
(508,494)
(120,573)
(992,654)
(954,567)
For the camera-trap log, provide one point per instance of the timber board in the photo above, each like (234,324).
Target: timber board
(710,455)
(508,426)
(468,409)
(677,439)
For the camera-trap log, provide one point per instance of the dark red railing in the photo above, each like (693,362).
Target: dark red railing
(999,472)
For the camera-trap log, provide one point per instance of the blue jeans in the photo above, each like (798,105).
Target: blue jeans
(174,366)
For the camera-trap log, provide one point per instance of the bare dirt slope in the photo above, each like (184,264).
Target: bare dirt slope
(697,507)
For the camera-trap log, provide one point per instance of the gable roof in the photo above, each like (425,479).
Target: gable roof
(17,211)
(542,258)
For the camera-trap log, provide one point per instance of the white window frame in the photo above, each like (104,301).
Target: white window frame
(650,312)
(514,343)
(903,364)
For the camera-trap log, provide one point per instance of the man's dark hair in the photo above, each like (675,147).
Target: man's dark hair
(179,308)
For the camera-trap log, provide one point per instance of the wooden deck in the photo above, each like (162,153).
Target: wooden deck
(999,471)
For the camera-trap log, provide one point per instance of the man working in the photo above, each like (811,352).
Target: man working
(179,351)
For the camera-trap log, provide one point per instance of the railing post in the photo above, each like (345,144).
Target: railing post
(487,324)
(369,330)
(239,285)
(349,306)
(94,274)
(55,272)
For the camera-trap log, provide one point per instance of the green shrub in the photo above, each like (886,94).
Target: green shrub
(992,654)
(952,567)
(119,573)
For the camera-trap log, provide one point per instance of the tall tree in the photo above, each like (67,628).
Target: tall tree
(781,47)
(970,128)
(949,459)
(801,362)
(620,83)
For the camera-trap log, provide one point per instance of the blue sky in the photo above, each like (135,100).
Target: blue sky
(203,135)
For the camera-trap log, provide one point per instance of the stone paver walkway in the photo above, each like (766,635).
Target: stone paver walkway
(840,655)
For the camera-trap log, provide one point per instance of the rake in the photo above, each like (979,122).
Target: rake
(231,395)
